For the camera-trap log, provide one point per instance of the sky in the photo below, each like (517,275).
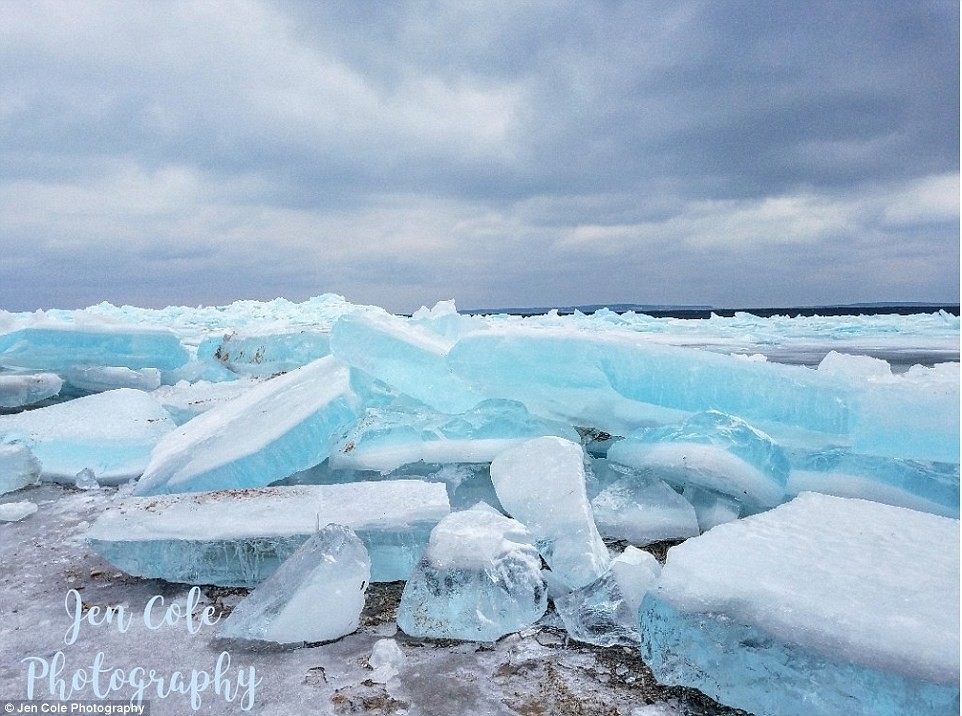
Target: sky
(736,153)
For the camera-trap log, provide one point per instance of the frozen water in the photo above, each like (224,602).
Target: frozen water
(711,450)
(605,612)
(86,480)
(16,511)
(185,400)
(273,430)
(385,439)
(110,433)
(238,537)
(386,659)
(18,390)
(824,605)
(97,379)
(479,579)
(711,508)
(404,355)
(541,483)
(18,468)
(317,594)
(643,509)
(265,354)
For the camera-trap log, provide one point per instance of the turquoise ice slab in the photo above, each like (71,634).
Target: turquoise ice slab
(265,354)
(239,537)
(824,605)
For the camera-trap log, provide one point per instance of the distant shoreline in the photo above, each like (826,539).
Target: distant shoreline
(661,311)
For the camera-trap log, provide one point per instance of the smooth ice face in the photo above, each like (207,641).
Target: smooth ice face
(18,468)
(479,579)
(238,537)
(277,428)
(386,438)
(714,451)
(18,390)
(823,605)
(403,355)
(97,379)
(541,483)
(643,509)
(317,594)
(110,433)
(265,354)
(605,612)
(58,347)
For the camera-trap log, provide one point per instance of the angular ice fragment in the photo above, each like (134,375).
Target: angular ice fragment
(238,537)
(16,511)
(403,355)
(18,390)
(86,480)
(479,579)
(111,433)
(824,605)
(57,347)
(642,509)
(605,612)
(541,483)
(386,659)
(97,379)
(18,468)
(265,354)
(277,428)
(386,438)
(711,450)
(317,594)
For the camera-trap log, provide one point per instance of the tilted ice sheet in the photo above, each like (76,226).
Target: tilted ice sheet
(836,605)
(238,537)
(186,400)
(277,428)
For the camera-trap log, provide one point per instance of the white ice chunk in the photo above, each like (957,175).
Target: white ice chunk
(317,594)
(97,379)
(643,509)
(824,605)
(86,480)
(541,483)
(185,400)
(111,433)
(18,468)
(279,427)
(21,389)
(16,511)
(386,660)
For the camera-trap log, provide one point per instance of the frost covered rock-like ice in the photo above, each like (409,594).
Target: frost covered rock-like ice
(385,439)
(714,451)
(541,483)
(317,594)
(277,428)
(643,509)
(479,579)
(110,433)
(18,390)
(238,537)
(605,612)
(824,605)
(18,468)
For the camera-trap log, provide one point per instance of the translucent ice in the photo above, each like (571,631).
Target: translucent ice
(479,579)
(21,389)
(386,660)
(642,509)
(238,537)
(541,483)
(275,429)
(712,450)
(824,605)
(111,433)
(711,508)
(387,438)
(265,354)
(16,511)
(97,379)
(86,480)
(18,468)
(605,612)
(317,594)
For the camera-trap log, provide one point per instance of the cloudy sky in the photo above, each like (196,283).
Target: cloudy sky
(764,152)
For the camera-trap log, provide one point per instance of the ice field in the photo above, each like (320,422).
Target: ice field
(802,473)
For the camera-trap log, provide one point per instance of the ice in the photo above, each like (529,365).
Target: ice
(711,508)
(56,347)
(714,451)
(16,511)
(386,438)
(926,486)
(605,612)
(97,379)
(186,400)
(110,433)
(386,660)
(643,509)
(18,390)
(824,605)
(86,480)
(238,537)
(18,468)
(273,430)
(541,483)
(403,355)
(265,354)
(317,594)
(479,579)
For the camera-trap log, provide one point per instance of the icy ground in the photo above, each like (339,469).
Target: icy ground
(536,672)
